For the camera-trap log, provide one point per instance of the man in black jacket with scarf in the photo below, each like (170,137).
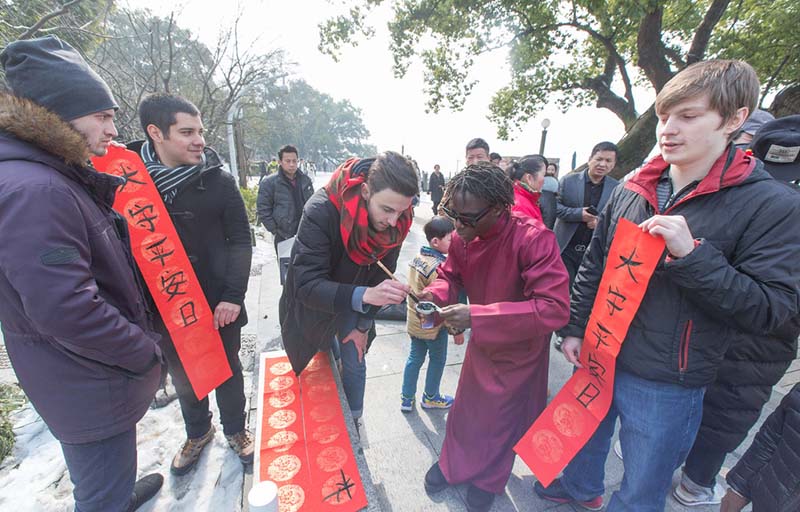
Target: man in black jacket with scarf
(209,215)
(334,287)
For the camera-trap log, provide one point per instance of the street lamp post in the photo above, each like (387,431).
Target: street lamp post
(545,125)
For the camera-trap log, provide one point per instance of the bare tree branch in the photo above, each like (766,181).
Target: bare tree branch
(47,17)
(702,35)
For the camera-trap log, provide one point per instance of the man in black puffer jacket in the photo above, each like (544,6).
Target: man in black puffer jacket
(768,474)
(732,247)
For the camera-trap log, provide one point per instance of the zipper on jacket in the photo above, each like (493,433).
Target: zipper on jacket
(683,356)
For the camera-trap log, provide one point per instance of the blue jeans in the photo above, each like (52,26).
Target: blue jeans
(658,425)
(103,472)
(437,348)
(354,375)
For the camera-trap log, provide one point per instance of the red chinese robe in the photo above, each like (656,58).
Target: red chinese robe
(518,293)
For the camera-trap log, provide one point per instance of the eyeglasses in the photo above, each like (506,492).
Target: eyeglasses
(468,219)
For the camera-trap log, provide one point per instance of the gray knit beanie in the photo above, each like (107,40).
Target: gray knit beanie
(51,73)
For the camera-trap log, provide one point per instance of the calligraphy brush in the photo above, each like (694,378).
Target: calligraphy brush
(389,273)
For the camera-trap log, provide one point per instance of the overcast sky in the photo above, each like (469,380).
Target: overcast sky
(392,109)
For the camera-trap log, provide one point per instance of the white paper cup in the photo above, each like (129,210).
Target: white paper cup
(263,497)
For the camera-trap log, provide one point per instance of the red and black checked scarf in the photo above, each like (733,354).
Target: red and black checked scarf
(364,245)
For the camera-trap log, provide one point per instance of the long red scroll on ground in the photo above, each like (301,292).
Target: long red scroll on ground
(304,446)
(167,271)
(575,413)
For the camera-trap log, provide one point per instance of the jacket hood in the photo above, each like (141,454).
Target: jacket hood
(41,130)
(734,167)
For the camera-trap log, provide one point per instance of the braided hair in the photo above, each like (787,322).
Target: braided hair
(483,180)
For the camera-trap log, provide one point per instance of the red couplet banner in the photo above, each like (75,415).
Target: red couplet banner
(303,442)
(573,416)
(167,271)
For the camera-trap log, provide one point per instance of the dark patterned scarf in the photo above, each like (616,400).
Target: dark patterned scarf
(364,245)
(167,180)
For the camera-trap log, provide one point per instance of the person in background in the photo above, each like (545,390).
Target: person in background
(768,474)
(581,198)
(528,175)
(495,158)
(436,188)
(282,195)
(477,151)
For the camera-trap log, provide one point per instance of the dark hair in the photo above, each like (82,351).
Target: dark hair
(530,164)
(438,227)
(494,156)
(477,144)
(483,180)
(553,164)
(159,109)
(288,148)
(605,146)
(393,171)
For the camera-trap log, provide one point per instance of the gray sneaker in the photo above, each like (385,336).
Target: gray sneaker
(691,494)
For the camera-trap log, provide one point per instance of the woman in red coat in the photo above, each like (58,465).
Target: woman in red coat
(528,176)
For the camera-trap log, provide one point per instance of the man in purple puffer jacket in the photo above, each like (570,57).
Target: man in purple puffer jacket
(72,313)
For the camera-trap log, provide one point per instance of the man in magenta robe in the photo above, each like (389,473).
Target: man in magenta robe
(512,273)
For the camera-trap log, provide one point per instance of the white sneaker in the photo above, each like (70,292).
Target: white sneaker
(691,494)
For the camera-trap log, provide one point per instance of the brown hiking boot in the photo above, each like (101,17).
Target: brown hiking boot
(190,452)
(244,445)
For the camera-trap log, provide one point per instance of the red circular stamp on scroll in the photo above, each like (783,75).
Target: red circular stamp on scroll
(323,413)
(314,379)
(548,446)
(281,399)
(284,468)
(281,383)
(314,365)
(141,214)
(326,433)
(332,458)
(281,368)
(339,489)
(157,248)
(280,420)
(282,441)
(290,498)
(569,420)
(186,312)
(320,392)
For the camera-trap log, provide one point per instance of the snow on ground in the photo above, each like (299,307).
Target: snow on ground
(35,477)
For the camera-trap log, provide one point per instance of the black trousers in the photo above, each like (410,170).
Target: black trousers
(704,462)
(572,260)
(230,394)
(436,201)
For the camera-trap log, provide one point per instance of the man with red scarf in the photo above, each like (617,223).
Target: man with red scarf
(334,287)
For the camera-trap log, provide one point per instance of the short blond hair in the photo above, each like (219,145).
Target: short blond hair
(729,85)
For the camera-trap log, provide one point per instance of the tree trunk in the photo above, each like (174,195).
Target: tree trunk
(787,102)
(636,144)
(241,153)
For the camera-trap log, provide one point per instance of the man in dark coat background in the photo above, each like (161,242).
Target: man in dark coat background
(73,315)
(281,197)
(581,197)
(209,215)
(436,188)
(334,287)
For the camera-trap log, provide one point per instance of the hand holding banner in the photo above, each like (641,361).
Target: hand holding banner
(573,416)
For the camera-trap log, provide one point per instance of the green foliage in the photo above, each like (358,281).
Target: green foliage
(578,53)
(11,399)
(250,195)
(322,129)
(80,23)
